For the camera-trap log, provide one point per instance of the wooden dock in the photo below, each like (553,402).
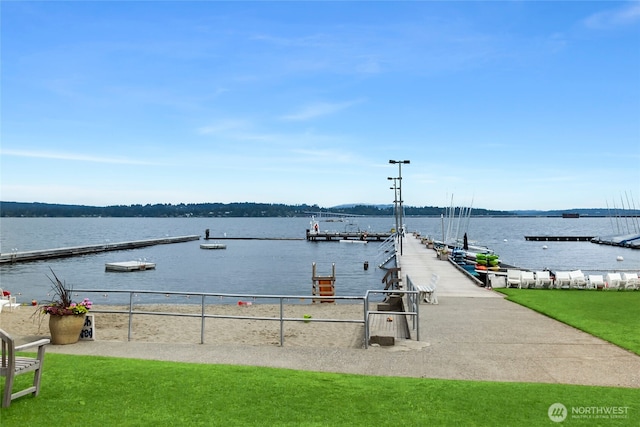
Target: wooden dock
(129,266)
(624,241)
(213,246)
(331,236)
(40,255)
(252,238)
(419,263)
(559,238)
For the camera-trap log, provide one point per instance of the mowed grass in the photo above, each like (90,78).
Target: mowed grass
(613,316)
(103,391)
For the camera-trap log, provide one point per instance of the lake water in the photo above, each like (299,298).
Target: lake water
(273,266)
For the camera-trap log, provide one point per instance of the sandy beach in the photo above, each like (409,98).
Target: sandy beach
(261,327)
(459,340)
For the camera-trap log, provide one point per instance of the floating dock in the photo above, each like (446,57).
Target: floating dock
(625,241)
(559,238)
(213,246)
(89,249)
(329,236)
(252,238)
(129,266)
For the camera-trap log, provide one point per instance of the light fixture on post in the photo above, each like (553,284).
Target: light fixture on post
(400,213)
(395,202)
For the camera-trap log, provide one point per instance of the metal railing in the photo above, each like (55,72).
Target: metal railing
(387,250)
(131,311)
(413,303)
(366,301)
(413,312)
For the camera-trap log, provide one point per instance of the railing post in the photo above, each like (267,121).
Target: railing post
(202,323)
(417,304)
(366,320)
(130,315)
(281,323)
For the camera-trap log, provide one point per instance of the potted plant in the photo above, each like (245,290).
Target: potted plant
(443,253)
(66,318)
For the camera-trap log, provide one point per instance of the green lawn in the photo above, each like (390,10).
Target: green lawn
(103,391)
(613,316)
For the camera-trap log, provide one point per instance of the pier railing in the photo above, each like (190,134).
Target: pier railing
(413,305)
(280,300)
(412,310)
(386,250)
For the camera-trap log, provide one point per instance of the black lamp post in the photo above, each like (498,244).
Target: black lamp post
(395,201)
(400,213)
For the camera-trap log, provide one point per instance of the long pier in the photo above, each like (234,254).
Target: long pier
(329,236)
(253,238)
(419,262)
(559,238)
(43,254)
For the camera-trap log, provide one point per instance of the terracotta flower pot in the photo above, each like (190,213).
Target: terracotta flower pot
(65,329)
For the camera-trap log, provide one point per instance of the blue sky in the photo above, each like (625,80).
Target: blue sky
(506,105)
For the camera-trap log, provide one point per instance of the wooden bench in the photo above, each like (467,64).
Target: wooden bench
(427,293)
(13,365)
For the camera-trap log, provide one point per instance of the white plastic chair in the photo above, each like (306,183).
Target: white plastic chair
(562,279)
(596,281)
(8,301)
(527,279)
(631,281)
(513,278)
(543,278)
(612,280)
(577,279)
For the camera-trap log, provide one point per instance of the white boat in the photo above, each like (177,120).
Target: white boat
(353,241)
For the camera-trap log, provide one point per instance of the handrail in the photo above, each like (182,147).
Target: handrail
(203,295)
(385,247)
(412,295)
(414,302)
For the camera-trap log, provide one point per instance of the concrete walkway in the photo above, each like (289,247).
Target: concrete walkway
(472,334)
(419,263)
(481,335)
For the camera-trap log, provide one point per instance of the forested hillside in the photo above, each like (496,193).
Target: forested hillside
(19,209)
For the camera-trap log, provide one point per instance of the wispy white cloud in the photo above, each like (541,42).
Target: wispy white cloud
(319,109)
(223,126)
(613,18)
(237,130)
(73,157)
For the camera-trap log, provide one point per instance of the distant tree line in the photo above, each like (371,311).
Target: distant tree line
(167,210)
(247,209)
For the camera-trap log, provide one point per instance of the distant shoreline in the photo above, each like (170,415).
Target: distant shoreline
(265,210)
